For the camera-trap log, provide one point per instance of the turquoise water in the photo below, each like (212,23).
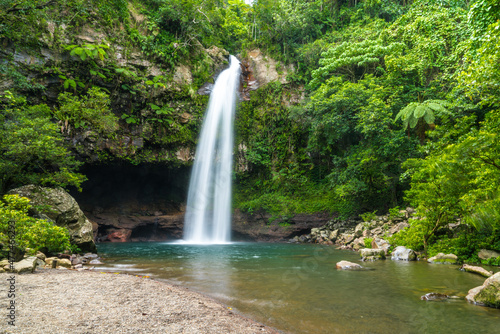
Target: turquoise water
(296,288)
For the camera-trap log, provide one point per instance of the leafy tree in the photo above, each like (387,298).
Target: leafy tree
(32,148)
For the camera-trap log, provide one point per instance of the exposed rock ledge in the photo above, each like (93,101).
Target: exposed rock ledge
(116,227)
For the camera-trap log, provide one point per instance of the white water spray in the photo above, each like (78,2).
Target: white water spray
(208,212)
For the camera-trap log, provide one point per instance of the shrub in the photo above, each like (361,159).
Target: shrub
(30,232)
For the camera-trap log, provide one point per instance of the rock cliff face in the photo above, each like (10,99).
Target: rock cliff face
(142,210)
(62,209)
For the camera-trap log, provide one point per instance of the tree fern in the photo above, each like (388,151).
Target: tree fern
(427,110)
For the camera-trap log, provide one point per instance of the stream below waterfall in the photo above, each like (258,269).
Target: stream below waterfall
(296,288)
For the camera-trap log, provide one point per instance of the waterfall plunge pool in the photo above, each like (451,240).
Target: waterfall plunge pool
(296,288)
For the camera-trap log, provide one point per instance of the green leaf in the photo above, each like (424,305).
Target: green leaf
(66,84)
(436,107)
(413,121)
(154,107)
(93,72)
(429,117)
(420,111)
(102,76)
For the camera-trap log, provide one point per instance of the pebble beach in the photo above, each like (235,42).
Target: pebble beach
(68,301)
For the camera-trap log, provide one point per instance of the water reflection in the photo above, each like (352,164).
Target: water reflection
(297,288)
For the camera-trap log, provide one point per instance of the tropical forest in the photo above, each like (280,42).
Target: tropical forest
(312,166)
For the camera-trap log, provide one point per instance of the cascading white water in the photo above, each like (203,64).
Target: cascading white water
(208,211)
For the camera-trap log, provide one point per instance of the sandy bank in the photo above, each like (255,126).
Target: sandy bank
(66,301)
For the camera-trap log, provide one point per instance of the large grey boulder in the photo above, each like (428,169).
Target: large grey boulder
(487,294)
(62,209)
(25,265)
(485,254)
(401,253)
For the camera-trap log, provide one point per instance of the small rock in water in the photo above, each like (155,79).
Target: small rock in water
(401,253)
(96,261)
(346,265)
(476,270)
(433,296)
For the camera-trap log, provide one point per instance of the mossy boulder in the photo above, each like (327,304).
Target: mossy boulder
(58,206)
(444,259)
(370,254)
(487,294)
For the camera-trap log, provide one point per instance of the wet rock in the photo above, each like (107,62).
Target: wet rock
(487,294)
(434,296)
(370,254)
(401,253)
(346,265)
(485,254)
(62,209)
(444,259)
(477,270)
(95,262)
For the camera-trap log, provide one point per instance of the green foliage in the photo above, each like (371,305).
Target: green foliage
(394,213)
(368,216)
(413,112)
(32,148)
(355,59)
(368,242)
(90,51)
(483,13)
(30,232)
(414,236)
(91,111)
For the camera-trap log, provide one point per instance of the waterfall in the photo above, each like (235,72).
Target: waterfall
(208,211)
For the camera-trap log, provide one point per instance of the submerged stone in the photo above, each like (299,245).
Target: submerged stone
(434,296)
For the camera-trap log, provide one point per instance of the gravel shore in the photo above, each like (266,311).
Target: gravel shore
(66,301)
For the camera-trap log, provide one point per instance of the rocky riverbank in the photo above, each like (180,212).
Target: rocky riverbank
(67,301)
